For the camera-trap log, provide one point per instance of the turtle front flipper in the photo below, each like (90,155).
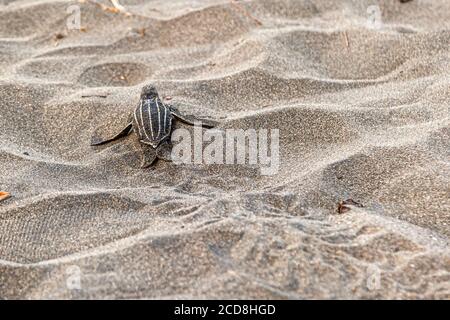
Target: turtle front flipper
(149,156)
(192,120)
(97,140)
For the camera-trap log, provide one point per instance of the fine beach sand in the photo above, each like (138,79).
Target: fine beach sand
(362,105)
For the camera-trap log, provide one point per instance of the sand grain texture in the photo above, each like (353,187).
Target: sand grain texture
(363,113)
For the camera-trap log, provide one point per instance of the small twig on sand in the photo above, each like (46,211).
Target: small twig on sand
(241,8)
(346,39)
(95,95)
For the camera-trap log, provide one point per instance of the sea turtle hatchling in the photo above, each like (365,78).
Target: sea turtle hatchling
(152,122)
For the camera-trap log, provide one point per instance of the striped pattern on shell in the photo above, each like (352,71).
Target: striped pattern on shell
(152,121)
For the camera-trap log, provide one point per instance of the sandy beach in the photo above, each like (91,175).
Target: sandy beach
(360,94)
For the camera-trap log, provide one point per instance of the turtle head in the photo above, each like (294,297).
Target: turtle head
(149,92)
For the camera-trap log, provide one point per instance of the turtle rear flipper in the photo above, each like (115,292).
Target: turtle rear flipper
(164,151)
(149,156)
(192,120)
(97,139)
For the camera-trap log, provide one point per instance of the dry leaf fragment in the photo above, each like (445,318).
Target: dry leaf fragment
(111,9)
(4,195)
(342,209)
(343,205)
(59,36)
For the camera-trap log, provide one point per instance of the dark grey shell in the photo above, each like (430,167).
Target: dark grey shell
(152,121)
